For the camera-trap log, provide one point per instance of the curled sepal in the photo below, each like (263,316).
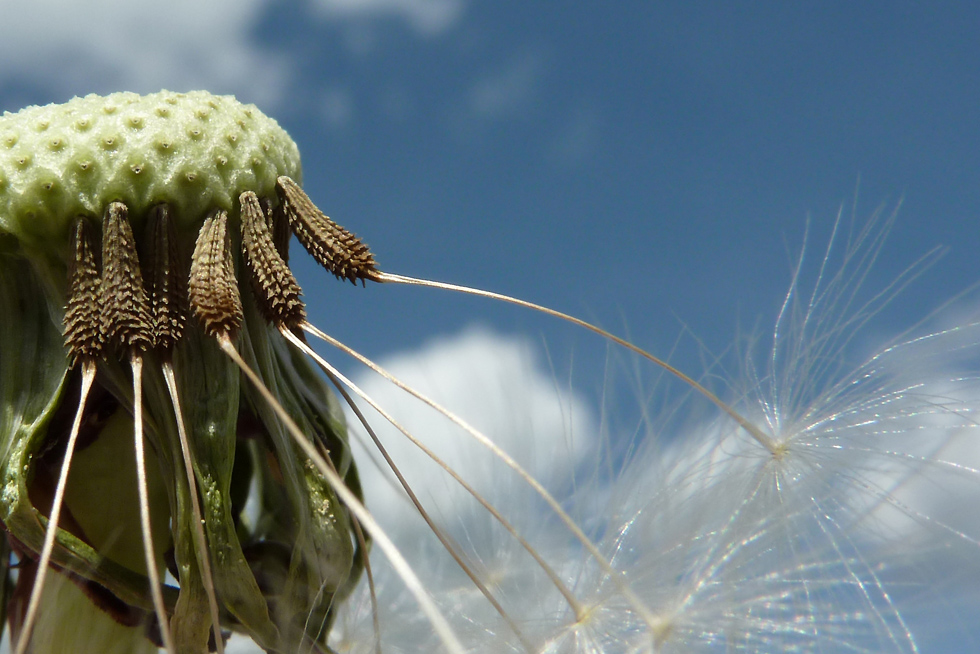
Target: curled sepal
(32,369)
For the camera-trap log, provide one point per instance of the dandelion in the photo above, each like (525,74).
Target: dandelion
(161,414)
(160,174)
(229,408)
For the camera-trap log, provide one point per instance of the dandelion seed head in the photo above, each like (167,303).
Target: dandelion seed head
(150,169)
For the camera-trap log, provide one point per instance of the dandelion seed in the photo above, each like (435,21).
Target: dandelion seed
(760,529)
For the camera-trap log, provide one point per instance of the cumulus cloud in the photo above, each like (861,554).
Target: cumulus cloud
(426,17)
(337,107)
(508,89)
(66,48)
(497,385)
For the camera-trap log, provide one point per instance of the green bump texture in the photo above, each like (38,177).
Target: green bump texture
(194,150)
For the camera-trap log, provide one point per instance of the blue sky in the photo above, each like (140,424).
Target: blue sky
(648,166)
(641,164)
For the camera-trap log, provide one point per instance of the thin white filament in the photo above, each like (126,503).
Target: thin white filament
(615,576)
(88,377)
(335,375)
(203,559)
(398,562)
(743,422)
(369,573)
(136,361)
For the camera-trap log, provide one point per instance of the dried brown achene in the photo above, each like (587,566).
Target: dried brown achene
(334,248)
(275,288)
(212,288)
(166,279)
(83,325)
(126,308)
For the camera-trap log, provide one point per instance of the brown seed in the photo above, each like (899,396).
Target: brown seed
(275,288)
(334,248)
(83,323)
(126,309)
(279,226)
(166,280)
(213,289)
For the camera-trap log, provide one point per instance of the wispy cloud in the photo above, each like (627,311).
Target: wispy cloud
(576,136)
(337,107)
(508,89)
(426,17)
(61,48)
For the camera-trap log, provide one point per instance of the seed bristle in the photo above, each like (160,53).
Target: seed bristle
(334,248)
(279,226)
(83,324)
(213,289)
(167,281)
(275,288)
(126,308)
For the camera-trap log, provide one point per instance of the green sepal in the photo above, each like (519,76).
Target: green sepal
(210,404)
(191,619)
(33,384)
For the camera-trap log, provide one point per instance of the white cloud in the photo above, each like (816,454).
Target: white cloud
(426,17)
(73,48)
(509,89)
(337,107)
(577,135)
(495,384)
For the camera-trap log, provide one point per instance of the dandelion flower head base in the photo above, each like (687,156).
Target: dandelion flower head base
(187,189)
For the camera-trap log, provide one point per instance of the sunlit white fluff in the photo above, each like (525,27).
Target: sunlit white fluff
(855,530)
(496,383)
(836,538)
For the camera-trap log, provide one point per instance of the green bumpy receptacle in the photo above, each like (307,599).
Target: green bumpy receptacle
(194,150)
